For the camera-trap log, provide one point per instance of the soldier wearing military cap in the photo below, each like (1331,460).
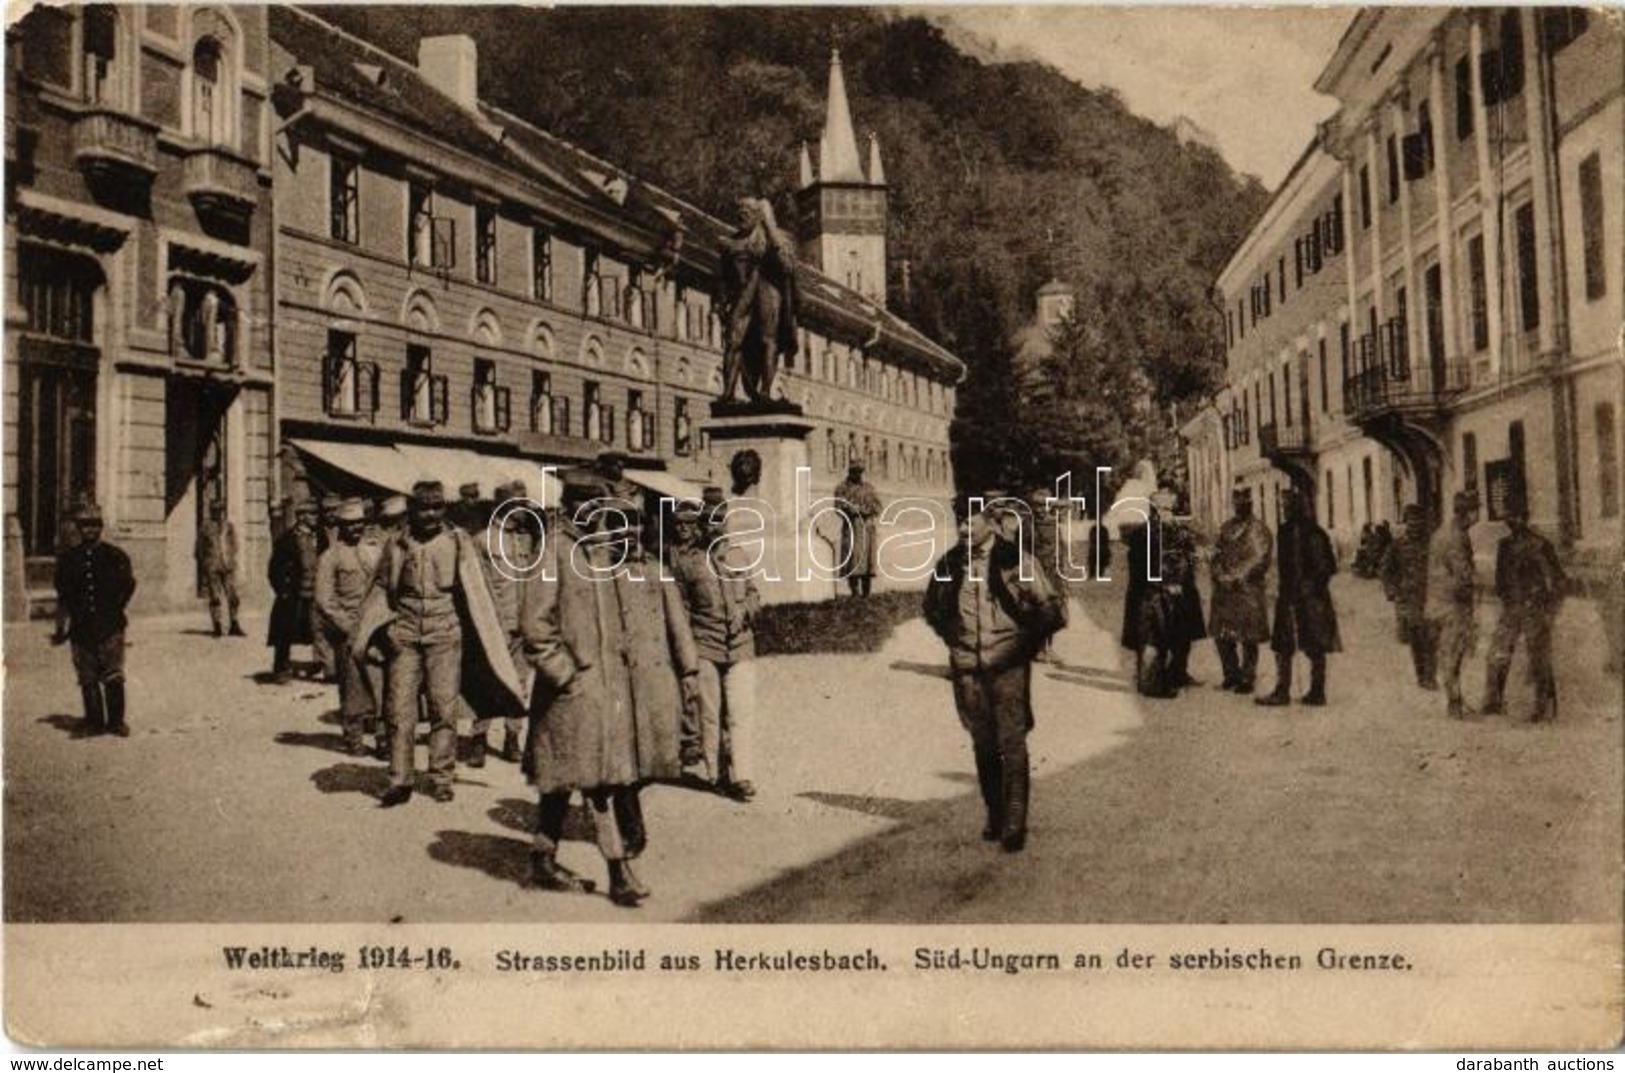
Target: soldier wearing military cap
(94,583)
(1405,583)
(343,576)
(614,659)
(391,519)
(427,595)
(292,574)
(1531,585)
(327,534)
(994,609)
(216,552)
(1452,598)
(860,504)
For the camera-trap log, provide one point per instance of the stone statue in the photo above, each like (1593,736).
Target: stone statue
(758,299)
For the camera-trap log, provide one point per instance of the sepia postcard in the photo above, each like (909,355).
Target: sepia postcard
(805,527)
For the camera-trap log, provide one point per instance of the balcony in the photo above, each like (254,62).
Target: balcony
(1277,442)
(1389,390)
(115,147)
(221,185)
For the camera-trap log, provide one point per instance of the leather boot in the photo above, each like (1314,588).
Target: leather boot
(546,873)
(1248,679)
(95,720)
(1545,703)
(511,749)
(114,692)
(1281,695)
(629,818)
(476,750)
(624,888)
(988,779)
(1316,697)
(1495,684)
(1017,783)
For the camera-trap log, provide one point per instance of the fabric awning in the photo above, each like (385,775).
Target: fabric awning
(663,483)
(382,466)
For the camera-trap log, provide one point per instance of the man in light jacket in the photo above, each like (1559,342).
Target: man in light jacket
(994,608)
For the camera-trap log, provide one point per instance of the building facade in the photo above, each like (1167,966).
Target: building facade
(449,276)
(257,259)
(139,368)
(1477,158)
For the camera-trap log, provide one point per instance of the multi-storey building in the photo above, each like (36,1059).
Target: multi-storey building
(1282,415)
(138,236)
(1479,158)
(451,278)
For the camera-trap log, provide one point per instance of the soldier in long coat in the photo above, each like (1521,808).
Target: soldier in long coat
(615,660)
(1162,610)
(1305,620)
(1240,611)
(292,574)
(343,575)
(858,501)
(1452,597)
(505,565)
(1405,582)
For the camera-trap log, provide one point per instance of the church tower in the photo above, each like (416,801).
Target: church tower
(842,207)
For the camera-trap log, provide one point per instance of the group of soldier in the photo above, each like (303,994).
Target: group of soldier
(1427,572)
(608,667)
(1429,576)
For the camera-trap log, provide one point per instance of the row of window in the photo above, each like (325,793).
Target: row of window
(432,243)
(1311,253)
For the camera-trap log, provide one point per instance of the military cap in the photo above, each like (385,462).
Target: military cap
(351,510)
(331,501)
(304,507)
(688,510)
(429,492)
(581,485)
(471,490)
(712,496)
(511,490)
(1464,502)
(392,507)
(88,512)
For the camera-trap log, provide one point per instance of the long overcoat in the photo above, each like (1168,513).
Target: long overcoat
(860,503)
(1167,611)
(292,574)
(609,653)
(1305,620)
(1241,561)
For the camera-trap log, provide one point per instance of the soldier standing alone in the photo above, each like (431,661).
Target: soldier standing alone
(217,561)
(94,583)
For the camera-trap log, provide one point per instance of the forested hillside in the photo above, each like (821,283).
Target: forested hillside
(1002,175)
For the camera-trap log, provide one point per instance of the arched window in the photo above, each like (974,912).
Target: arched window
(211,96)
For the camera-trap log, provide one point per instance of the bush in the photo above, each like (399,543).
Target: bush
(844,624)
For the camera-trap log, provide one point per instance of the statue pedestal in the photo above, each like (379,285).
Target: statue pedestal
(768,519)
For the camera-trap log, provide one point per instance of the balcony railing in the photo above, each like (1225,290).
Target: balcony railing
(1276,439)
(1385,389)
(115,145)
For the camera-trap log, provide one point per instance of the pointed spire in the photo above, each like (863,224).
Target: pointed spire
(840,164)
(877,174)
(806,167)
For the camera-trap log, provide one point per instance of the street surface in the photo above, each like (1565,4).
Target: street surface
(233,802)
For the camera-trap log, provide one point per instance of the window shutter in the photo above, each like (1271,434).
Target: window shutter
(504,409)
(608,423)
(1415,156)
(406,392)
(369,373)
(439,400)
(561,415)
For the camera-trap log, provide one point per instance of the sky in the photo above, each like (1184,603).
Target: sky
(1244,75)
